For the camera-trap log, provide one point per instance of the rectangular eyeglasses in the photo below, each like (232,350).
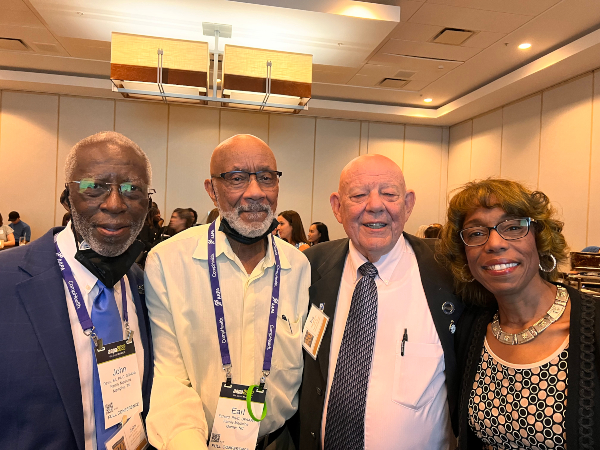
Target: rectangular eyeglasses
(509,230)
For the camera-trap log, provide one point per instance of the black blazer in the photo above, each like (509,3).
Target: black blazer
(40,393)
(583,398)
(327,264)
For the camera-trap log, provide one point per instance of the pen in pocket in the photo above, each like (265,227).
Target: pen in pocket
(289,323)
(404,341)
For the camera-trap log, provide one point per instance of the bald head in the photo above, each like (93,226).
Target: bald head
(246,202)
(239,150)
(372,204)
(370,165)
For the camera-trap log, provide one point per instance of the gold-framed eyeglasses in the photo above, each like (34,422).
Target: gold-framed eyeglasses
(99,189)
(509,230)
(241,179)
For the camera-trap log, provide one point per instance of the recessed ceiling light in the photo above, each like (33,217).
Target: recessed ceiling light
(428,100)
(524,46)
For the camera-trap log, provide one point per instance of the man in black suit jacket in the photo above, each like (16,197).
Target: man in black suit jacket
(373,205)
(42,344)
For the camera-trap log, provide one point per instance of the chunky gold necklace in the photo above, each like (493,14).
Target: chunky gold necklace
(529,334)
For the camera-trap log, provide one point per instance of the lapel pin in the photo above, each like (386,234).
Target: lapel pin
(141,289)
(321,306)
(448,308)
(452,327)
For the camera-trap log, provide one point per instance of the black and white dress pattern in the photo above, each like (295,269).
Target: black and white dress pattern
(520,406)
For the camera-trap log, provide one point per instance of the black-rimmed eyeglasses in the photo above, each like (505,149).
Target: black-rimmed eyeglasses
(240,179)
(509,230)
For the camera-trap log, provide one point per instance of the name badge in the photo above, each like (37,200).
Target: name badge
(233,427)
(131,436)
(119,381)
(314,329)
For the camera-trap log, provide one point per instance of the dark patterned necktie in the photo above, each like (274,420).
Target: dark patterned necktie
(345,425)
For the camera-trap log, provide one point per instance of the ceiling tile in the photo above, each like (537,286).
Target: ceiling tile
(332,74)
(412,63)
(528,7)
(21,18)
(408,8)
(467,18)
(410,31)
(86,48)
(483,39)
(13,5)
(429,50)
(26,33)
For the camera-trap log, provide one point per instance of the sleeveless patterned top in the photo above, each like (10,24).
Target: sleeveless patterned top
(520,406)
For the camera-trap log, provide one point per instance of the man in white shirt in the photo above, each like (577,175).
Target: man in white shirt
(385,376)
(238,251)
(48,374)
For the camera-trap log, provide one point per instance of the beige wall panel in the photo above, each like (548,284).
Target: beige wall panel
(565,154)
(444,175)
(239,122)
(387,139)
(146,124)
(459,155)
(292,139)
(521,141)
(29,124)
(593,236)
(487,146)
(337,143)
(364,138)
(79,118)
(422,171)
(193,135)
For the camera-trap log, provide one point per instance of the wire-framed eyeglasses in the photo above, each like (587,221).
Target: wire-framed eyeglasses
(509,230)
(100,190)
(241,179)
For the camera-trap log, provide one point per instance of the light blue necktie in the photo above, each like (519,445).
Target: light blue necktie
(107,324)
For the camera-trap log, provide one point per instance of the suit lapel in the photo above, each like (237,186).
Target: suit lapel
(43,297)
(142,314)
(325,290)
(438,290)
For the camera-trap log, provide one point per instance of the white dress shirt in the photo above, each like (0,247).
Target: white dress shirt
(406,398)
(83,347)
(188,371)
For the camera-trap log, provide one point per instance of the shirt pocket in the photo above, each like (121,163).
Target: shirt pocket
(287,349)
(417,374)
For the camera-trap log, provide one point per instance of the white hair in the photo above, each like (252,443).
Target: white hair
(105,137)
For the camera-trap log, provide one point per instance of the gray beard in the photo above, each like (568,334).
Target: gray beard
(249,230)
(84,229)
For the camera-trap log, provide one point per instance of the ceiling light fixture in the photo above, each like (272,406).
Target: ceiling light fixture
(177,71)
(524,46)
(427,100)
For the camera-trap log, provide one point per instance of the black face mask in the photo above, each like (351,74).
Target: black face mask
(233,234)
(109,269)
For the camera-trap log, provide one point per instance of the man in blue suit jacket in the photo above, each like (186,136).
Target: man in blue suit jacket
(46,387)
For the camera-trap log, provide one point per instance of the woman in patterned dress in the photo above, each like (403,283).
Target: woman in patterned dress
(525,342)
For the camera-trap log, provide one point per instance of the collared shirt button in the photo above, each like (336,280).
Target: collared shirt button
(312,433)
(319,391)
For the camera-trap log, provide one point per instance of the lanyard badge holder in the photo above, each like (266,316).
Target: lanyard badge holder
(116,363)
(237,419)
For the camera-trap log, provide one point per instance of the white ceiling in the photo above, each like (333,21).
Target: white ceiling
(351,55)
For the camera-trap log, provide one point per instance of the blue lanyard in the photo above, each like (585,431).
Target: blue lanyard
(220,316)
(77,298)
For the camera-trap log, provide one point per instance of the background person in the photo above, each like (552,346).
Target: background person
(290,229)
(181,219)
(214,213)
(317,233)
(433,231)
(524,337)
(20,228)
(7,235)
